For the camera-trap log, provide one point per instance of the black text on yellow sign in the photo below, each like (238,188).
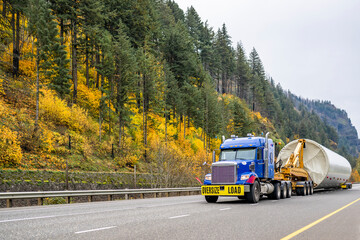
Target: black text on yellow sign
(225,190)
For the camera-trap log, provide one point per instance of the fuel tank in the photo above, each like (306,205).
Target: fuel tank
(326,168)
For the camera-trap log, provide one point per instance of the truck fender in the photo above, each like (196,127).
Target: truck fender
(253,177)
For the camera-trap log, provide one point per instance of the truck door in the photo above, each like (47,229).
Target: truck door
(259,163)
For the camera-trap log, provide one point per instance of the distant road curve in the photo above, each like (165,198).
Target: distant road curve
(190,217)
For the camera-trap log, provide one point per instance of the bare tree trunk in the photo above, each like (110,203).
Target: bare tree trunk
(17,44)
(166,125)
(37,90)
(62,32)
(206,121)
(101,105)
(4,8)
(100,119)
(120,130)
(179,121)
(87,63)
(109,109)
(74,61)
(184,127)
(145,117)
(15,24)
(97,62)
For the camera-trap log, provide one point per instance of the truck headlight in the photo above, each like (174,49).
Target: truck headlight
(208,177)
(245,177)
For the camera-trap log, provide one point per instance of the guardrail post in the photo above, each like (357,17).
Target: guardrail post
(126,196)
(167,194)
(141,195)
(40,201)
(9,203)
(155,195)
(68,199)
(110,197)
(90,198)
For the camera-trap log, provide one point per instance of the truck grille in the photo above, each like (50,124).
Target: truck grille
(223,174)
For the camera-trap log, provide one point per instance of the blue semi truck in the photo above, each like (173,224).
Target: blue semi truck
(246,169)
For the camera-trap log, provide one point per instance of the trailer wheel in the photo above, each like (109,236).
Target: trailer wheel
(277,191)
(254,195)
(289,189)
(311,189)
(284,191)
(306,188)
(300,191)
(211,199)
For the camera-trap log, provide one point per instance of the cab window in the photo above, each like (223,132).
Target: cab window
(259,151)
(238,154)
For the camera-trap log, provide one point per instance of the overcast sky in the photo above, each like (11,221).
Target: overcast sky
(310,47)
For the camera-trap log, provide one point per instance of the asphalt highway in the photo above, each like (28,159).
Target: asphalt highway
(191,217)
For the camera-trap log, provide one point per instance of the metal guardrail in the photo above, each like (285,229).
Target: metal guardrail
(9,196)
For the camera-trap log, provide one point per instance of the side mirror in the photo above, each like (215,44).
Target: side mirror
(252,167)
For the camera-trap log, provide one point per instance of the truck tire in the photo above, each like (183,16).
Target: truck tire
(289,190)
(277,191)
(283,191)
(254,195)
(311,188)
(306,188)
(211,199)
(301,191)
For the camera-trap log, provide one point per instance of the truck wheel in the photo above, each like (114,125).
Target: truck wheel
(300,191)
(284,192)
(277,191)
(254,195)
(311,189)
(211,199)
(306,188)
(289,189)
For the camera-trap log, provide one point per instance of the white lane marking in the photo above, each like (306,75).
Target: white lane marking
(224,209)
(24,219)
(94,212)
(254,204)
(180,216)
(96,229)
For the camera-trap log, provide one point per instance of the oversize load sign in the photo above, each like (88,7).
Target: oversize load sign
(225,190)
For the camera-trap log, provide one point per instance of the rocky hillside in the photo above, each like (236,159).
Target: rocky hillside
(335,117)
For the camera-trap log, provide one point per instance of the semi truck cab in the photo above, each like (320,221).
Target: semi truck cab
(245,169)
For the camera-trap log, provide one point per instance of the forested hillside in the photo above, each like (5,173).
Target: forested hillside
(337,118)
(107,85)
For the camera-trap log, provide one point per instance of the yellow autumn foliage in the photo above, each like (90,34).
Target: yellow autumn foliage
(355,177)
(47,140)
(27,64)
(10,150)
(89,99)
(56,110)
(1,86)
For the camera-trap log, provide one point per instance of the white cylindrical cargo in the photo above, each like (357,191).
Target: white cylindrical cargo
(325,167)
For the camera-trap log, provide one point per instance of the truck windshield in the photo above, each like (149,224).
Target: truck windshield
(238,154)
